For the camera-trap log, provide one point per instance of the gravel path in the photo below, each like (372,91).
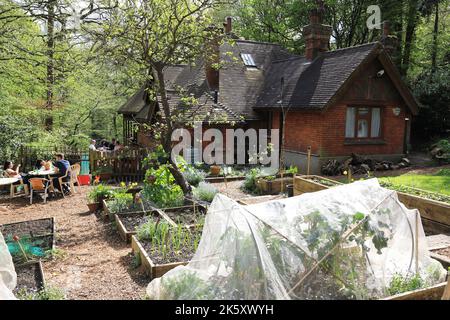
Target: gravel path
(93,263)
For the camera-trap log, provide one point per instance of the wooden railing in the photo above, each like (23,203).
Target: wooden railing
(126,165)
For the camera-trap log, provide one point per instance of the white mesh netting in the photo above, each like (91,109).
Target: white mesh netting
(8,277)
(343,243)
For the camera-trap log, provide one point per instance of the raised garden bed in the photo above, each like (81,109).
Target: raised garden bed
(431,293)
(189,216)
(435,214)
(30,278)
(154,262)
(128,222)
(35,237)
(306,184)
(271,187)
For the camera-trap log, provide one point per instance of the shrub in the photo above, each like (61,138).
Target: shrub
(194,176)
(161,189)
(205,192)
(250,181)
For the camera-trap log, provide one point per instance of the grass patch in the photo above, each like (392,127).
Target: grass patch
(439,182)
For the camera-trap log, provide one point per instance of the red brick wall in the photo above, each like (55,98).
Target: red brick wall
(302,129)
(325,132)
(333,133)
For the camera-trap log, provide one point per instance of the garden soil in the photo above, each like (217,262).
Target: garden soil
(93,262)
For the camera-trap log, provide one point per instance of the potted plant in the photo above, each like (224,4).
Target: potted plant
(97,195)
(93,203)
(215,170)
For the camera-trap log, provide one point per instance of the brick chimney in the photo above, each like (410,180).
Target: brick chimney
(228,25)
(389,41)
(316,34)
(212,56)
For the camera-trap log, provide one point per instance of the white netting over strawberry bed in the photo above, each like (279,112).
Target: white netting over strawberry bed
(354,241)
(8,277)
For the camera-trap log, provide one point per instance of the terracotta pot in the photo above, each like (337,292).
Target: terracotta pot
(215,170)
(93,207)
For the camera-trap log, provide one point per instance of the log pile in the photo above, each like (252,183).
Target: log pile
(441,151)
(361,165)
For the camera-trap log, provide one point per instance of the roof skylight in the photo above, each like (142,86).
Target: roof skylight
(248,60)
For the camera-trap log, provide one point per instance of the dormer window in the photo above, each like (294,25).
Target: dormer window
(248,60)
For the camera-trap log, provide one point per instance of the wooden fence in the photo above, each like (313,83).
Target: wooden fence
(126,165)
(28,156)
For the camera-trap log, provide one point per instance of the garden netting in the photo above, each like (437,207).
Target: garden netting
(8,277)
(348,242)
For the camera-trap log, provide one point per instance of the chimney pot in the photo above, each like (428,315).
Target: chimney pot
(228,25)
(316,34)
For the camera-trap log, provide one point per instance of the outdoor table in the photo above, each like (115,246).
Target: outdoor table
(8,181)
(42,173)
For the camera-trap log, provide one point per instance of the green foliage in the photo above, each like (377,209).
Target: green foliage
(205,192)
(400,284)
(431,89)
(250,181)
(433,187)
(166,239)
(174,288)
(162,191)
(194,176)
(291,170)
(48,293)
(100,192)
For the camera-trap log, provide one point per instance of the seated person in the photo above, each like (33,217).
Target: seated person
(118,146)
(112,145)
(61,168)
(10,172)
(42,165)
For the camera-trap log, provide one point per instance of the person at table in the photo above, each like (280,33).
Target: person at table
(112,145)
(118,146)
(61,167)
(10,172)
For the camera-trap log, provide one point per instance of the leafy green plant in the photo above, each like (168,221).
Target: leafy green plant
(100,192)
(160,188)
(174,288)
(251,179)
(166,239)
(122,202)
(205,192)
(400,284)
(48,293)
(291,170)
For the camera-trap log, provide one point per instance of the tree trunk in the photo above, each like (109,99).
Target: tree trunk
(50,63)
(410,30)
(166,136)
(435,39)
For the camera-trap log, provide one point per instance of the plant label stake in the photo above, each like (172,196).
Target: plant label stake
(309,161)
(17,239)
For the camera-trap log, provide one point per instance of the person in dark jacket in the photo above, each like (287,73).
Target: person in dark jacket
(62,166)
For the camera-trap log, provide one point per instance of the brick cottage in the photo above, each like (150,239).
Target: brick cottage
(335,103)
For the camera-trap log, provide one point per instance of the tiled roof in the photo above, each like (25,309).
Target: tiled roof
(311,84)
(244,91)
